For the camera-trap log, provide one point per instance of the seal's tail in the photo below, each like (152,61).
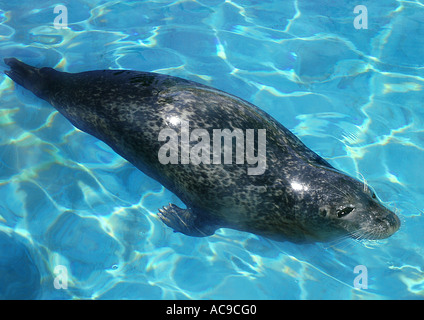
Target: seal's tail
(29,77)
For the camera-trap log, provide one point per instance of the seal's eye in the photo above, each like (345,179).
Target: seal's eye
(344,212)
(374,196)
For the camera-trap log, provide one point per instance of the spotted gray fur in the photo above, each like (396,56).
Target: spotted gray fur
(299,198)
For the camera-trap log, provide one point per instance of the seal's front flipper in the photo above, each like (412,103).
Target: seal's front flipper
(185,221)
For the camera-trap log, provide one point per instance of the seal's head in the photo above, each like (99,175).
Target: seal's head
(338,206)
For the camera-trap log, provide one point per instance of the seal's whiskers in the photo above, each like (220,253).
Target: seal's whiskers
(364,181)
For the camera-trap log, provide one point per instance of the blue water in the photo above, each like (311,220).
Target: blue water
(354,96)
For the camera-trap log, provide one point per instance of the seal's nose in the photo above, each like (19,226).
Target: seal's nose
(384,224)
(387,222)
(394,222)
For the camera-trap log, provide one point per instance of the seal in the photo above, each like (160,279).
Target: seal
(297,197)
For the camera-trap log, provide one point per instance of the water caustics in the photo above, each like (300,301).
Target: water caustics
(353,96)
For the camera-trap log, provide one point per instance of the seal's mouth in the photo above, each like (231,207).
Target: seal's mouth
(378,228)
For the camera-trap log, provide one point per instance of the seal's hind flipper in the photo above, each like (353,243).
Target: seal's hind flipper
(185,221)
(29,77)
(23,74)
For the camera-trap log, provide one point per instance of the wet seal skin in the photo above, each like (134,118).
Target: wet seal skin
(298,197)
